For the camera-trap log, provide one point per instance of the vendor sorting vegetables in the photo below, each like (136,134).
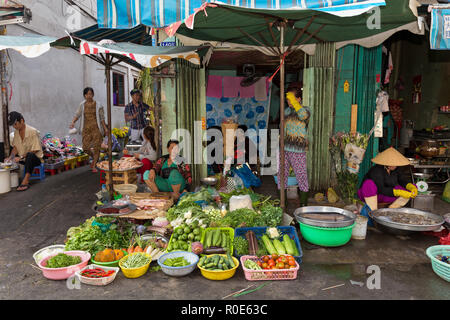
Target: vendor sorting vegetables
(170,173)
(296,141)
(384,184)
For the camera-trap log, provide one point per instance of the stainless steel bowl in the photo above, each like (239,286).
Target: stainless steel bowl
(413,161)
(397,228)
(349,217)
(424,176)
(210,181)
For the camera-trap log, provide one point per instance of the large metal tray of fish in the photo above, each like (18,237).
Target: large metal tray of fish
(407,219)
(326,217)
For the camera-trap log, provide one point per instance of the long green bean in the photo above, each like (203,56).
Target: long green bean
(136,261)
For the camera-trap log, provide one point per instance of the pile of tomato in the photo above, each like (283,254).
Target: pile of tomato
(275,261)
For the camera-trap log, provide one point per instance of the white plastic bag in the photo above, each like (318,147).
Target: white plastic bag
(239,202)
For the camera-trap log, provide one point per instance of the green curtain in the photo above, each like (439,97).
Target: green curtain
(318,95)
(367,82)
(190,109)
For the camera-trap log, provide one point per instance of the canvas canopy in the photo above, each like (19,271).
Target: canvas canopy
(126,14)
(240,27)
(256,24)
(30,46)
(144,56)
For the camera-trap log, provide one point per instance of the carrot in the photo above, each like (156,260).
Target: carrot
(145,249)
(130,249)
(138,249)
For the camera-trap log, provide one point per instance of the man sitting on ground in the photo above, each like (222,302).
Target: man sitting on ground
(27,147)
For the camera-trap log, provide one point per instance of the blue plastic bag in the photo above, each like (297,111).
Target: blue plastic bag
(247,176)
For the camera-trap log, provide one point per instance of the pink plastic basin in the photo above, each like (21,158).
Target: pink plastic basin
(67,272)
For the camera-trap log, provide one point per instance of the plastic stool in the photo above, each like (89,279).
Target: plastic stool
(40,175)
(102,177)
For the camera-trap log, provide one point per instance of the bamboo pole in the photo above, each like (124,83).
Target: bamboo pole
(108,101)
(282,160)
(4,97)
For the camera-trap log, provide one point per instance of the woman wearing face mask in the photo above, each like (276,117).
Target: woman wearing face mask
(170,173)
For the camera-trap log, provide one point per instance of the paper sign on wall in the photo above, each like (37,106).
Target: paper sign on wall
(378,132)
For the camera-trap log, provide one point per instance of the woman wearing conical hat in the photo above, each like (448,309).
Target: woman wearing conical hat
(384,184)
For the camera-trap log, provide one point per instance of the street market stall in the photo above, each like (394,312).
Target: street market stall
(213,228)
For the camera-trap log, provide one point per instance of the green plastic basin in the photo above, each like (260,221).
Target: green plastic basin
(108,264)
(326,237)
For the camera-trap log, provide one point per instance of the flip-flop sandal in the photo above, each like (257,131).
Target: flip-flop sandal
(25,186)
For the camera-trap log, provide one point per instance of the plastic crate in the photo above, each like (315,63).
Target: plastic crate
(82,160)
(260,231)
(70,163)
(272,274)
(54,166)
(231,232)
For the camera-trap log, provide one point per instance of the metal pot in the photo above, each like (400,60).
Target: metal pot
(429,149)
(422,176)
(413,161)
(425,170)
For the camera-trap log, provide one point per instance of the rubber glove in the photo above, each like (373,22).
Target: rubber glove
(402,193)
(413,190)
(295,104)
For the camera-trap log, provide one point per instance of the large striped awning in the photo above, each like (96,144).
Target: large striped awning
(126,14)
(32,46)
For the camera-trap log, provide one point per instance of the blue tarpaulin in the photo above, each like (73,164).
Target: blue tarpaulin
(126,14)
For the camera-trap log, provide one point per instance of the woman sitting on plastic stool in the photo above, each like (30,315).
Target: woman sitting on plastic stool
(170,173)
(384,184)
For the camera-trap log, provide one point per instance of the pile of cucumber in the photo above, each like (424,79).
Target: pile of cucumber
(217,262)
(216,241)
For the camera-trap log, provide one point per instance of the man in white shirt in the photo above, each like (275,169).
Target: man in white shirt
(27,148)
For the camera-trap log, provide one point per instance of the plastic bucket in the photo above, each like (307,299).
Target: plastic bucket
(14,179)
(360,229)
(5,181)
(291,193)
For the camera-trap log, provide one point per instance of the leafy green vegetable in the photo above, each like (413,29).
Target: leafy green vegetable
(202,195)
(270,216)
(239,218)
(174,212)
(261,249)
(240,245)
(62,260)
(105,220)
(92,239)
(85,225)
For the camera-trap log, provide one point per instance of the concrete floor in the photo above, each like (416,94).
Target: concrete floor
(41,216)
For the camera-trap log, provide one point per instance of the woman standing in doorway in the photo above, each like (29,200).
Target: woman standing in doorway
(295,140)
(93,123)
